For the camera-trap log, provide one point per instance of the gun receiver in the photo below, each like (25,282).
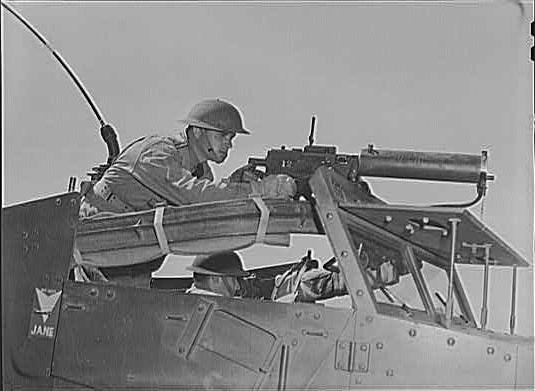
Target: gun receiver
(302,163)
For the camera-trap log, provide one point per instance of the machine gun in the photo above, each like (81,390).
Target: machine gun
(300,164)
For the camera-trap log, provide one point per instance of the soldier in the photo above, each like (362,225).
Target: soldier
(222,274)
(217,274)
(158,170)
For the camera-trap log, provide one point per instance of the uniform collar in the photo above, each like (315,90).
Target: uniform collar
(191,160)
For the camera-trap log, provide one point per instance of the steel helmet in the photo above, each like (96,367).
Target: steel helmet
(219,264)
(215,114)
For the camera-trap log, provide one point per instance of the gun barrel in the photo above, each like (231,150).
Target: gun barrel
(450,167)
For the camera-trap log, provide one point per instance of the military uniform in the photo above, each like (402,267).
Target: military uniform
(301,285)
(154,170)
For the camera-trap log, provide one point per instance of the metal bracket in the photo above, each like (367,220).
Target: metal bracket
(352,356)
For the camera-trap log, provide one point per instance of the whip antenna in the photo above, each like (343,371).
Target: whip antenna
(106,131)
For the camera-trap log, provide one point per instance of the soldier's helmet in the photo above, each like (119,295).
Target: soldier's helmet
(219,264)
(216,114)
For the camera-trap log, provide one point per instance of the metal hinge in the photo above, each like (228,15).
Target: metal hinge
(352,356)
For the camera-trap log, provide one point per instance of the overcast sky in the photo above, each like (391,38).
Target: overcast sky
(452,77)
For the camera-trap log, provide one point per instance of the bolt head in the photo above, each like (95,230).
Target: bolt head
(451,341)
(363,347)
(490,350)
(507,357)
(360,292)
(317,315)
(369,318)
(344,254)
(379,345)
(412,332)
(329,215)
(388,219)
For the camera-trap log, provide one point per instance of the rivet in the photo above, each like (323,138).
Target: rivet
(490,350)
(344,254)
(379,345)
(329,215)
(412,332)
(389,372)
(425,220)
(58,201)
(93,292)
(110,294)
(294,342)
(507,357)
(451,341)
(360,292)
(388,219)
(317,315)
(369,318)
(363,347)
(200,308)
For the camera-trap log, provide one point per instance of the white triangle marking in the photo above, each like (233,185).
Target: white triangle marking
(46,302)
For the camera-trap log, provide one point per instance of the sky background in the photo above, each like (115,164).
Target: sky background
(443,76)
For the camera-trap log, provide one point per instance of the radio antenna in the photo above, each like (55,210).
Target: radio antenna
(106,131)
(312,128)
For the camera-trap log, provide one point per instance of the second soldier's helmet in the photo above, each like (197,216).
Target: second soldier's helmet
(216,114)
(219,264)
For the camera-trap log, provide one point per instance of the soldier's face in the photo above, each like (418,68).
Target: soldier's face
(219,145)
(226,286)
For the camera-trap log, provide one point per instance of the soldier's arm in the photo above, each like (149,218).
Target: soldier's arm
(159,169)
(319,284)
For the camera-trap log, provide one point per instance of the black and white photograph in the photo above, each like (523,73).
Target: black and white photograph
(267,195)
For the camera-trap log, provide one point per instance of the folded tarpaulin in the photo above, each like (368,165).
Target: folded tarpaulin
(131,238)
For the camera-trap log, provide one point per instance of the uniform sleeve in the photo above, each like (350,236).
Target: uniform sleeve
(319,284)
(159,168)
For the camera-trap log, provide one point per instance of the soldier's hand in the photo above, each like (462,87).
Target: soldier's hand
(275,186)
(247,173)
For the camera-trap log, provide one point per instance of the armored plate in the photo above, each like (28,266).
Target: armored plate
(430,228)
